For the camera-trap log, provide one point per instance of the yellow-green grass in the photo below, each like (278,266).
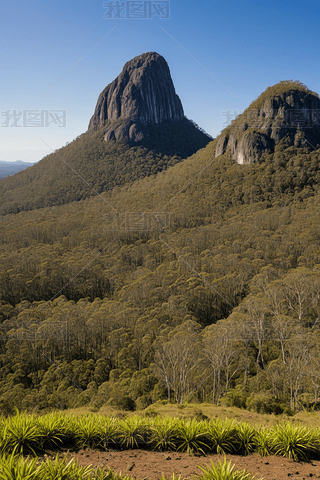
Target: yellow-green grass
(308,419)
(31,434)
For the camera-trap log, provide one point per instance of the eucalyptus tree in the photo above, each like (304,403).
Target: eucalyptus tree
(220,349)
(178,359)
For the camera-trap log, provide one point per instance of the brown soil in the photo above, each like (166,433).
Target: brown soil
(141,464)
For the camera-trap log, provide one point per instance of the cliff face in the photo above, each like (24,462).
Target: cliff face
(143,94)
(141,107)
(293,114)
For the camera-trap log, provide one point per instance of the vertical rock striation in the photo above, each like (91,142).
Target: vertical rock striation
(142,94)
(293,113)
(141,107)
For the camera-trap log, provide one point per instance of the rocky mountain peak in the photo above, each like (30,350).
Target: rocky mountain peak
(286,110)
(143,94)
(141,107)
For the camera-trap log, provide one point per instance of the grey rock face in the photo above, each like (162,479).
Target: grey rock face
(293,114)
(143,94)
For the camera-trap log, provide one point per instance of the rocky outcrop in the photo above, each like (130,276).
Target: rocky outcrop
(143,94)
(141,107)
(293,114)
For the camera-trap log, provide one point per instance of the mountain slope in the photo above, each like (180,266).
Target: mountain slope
(59,177)
(138,129)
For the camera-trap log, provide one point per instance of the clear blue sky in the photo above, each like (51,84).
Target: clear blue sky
(222,55)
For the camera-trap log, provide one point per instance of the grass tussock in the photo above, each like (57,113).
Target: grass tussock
(15,467)
(224,471)
(32,435)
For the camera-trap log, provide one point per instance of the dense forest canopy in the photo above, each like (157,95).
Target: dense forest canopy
(198,283)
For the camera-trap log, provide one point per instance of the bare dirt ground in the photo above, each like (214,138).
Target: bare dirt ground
(141,464)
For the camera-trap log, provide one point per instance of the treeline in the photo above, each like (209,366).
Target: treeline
(265,355)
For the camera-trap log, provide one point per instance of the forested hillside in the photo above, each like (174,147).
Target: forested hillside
(89,166)
(210,292)
(59,178)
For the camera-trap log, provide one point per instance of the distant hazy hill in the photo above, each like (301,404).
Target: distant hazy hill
(10,168)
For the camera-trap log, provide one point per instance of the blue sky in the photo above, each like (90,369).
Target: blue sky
(59,55)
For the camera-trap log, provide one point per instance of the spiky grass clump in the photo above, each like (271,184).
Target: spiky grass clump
(295,442)
(89,433)
(173,477)
(21,434)
(164,434)
(68,429)
(222,436)
(224,471)
(246,438)
(132,432)
(192,437)
(52,431)
(63,470)
(14,467)
(262,442)
(110,433)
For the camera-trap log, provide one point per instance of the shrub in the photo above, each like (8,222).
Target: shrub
(264,404)
(164,433)
(246,438)
(262,442)
(191,437)
(296,442)
(224,471)
(222,436)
